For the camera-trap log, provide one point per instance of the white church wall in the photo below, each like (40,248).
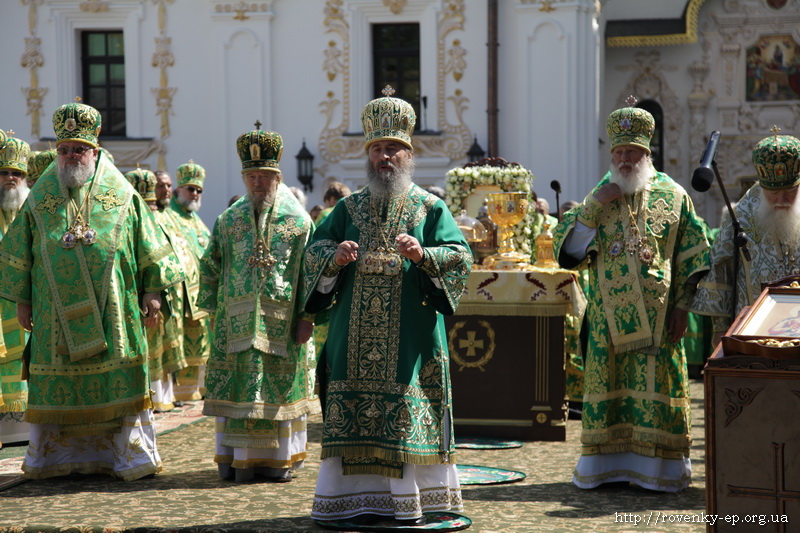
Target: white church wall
(548,105)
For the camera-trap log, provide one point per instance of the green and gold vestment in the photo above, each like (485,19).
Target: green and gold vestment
(14,389)
(770,260)
(385,378)
(88,366)
(636,390)
(165,341)
(196,324)
(257,374)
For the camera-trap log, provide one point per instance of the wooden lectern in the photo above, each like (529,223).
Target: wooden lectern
(752,401)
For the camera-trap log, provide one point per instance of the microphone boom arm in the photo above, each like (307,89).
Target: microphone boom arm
(739,240)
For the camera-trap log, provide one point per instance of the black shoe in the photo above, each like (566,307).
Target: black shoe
(177,403)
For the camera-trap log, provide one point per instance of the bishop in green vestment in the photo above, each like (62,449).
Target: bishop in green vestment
(14,157)
(645,249)
(83,261)
(390,262)
(769,215)
(258,377)
(164,332)
(196,326)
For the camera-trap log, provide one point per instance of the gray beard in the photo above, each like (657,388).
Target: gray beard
(785,223)
(390,182)
(637,179)
(162,203)
(191,206)
(75,176)
(264,205)
(13,199)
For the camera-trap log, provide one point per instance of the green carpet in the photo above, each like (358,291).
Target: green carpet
(189,496)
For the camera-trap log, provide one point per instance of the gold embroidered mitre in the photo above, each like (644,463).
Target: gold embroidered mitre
(144,181)
(630,126)
(260,150)
(388,118)
(77,122)
(777,161)
(14,154)
(191,174)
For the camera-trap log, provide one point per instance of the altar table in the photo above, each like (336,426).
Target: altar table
(506,343)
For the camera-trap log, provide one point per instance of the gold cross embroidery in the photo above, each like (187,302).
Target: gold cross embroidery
(109,199)
(287,231)
(470,343)
(239,228)
(50,203)
(660,215)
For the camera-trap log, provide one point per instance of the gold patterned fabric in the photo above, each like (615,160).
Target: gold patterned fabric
(388,118)
(196,323)
(88,364)
(15,155)
(636,390)
(165,341)
(13,387)
(770,260)
(384,373)
(77,122)
(257,373)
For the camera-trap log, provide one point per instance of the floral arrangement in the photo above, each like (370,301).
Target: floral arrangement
(460,182)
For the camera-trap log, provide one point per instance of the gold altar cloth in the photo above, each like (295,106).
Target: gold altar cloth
(535,292)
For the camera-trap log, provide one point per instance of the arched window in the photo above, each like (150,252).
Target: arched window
(657,142)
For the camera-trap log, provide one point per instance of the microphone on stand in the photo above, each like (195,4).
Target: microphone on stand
(703,176)
(556,186)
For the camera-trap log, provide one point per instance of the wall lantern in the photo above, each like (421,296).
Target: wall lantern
(305,168)
(475,152)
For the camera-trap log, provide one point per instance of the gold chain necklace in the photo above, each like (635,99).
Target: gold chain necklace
(79,230)
(631,240)
(789,257)
(382,257)
(262,256)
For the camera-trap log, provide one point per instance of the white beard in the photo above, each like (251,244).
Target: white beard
(190,205)
(12,199)
(75,175)
(785,223)
(636,180)
(390,182)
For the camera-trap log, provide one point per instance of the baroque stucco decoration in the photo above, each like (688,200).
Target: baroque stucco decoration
(647,82)
(162,60)
(94,6)
(33,60)
(687,36)
(335,146)
(241,8)
(395,6)
(730,31)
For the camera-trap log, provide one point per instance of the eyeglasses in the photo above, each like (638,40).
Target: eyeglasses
(15,173)
(198,190)
(77,150)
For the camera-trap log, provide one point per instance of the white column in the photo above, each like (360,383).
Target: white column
(551,74)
